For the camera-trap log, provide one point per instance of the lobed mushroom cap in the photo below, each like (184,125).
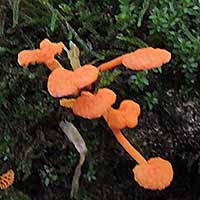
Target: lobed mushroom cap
(156,174)
(146,58)
(92,106)
(85,75)
(114,118)
(27,57)
(125,116)
(50,49)
(63,82)
(45,54)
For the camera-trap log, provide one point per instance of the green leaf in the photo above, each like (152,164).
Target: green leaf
(145,6)
(54,18)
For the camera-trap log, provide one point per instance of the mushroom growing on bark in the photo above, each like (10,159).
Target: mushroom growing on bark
(141,59)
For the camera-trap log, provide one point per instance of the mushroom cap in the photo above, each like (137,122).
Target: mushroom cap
(45,54)
(114,118)
(125,116)
(156,174)
(85,75)
(27,57)
(63,82)
(146,58)
(92,106)
(50,49)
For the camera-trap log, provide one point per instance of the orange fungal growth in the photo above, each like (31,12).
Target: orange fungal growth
(85,75)
(27,57)
(6,179)
(125,116)
(141,59)
(67,103)
(156,174)
(45,55)
(51,47)
(110,64)
(146,58)
(63,82)
(53,64)
(92,106)
(128,147)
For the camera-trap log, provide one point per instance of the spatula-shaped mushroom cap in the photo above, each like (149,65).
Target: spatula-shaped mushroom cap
(125,116)
(146,58)
(63,82)
(45,54)
(51,48)
(141,59)
(92,106)
(27,57)
(155,174)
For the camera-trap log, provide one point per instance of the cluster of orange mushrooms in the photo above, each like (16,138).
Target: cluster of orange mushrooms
(155,173)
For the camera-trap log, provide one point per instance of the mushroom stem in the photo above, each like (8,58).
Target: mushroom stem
(128,147)
(68,103)
(110,64)
(54,64)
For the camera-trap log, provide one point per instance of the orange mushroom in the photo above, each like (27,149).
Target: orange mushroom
(6,179)
(141,59)
(63,82)
(27,57)
(111,64)
(146,58)
(92,106)
(155,173)
(45,55)
(125,116)
(51,48)
(67,103)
